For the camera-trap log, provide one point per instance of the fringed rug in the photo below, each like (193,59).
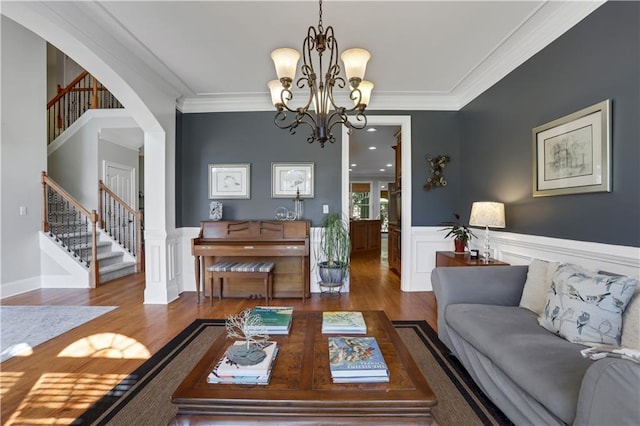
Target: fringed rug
(145,396)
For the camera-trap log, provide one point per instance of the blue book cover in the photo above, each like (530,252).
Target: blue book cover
(356,357)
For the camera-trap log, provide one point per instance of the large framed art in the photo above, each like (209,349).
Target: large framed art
(227,181)
(289,178)
(572,155)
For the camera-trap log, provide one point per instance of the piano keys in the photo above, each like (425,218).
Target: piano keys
(284,242)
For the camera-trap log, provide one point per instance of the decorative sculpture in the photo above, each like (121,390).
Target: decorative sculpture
(436,166)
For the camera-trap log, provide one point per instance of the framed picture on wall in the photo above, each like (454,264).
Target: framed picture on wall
(227,181)
(572,155)
(289,178)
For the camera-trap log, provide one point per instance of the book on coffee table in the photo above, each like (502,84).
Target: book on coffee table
(216,377)
(356,358)
(275,319)
(343,322)
(226,367)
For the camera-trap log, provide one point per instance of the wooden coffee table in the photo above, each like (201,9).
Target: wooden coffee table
(301,390)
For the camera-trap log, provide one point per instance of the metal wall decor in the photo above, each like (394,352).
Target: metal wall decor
(436,167)
(316,113)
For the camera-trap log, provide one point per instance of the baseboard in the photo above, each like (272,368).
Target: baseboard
(18,287)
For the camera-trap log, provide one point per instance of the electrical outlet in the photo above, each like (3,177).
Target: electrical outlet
(325,208)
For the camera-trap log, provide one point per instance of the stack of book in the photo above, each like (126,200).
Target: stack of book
(275,319)
(229,372)
(354,359)
(343,322)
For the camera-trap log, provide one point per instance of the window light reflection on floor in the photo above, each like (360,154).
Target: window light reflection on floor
(106,345)
(70,393)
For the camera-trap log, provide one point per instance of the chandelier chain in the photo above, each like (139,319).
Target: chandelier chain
(320,28)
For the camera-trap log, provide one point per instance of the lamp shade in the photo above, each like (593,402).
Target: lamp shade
(275,87)
(286,61)
(355,63)
(366,87)
(487,213)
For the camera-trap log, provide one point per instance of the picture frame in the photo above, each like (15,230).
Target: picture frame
(572,155)
(229,181)
(288,178)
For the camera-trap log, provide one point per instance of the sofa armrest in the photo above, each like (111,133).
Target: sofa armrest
(487,285)
(610,393)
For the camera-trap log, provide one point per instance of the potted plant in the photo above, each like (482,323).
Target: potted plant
(460,233)
(334,250)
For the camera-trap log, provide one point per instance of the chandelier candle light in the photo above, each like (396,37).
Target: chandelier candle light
(321,83)
(487,214)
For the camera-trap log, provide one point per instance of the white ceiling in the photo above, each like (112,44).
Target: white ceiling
(426,55)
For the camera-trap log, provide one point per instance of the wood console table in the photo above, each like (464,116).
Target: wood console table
(450,258)
(301,390)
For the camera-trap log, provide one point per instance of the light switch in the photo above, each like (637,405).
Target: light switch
(325,208)
(23,210)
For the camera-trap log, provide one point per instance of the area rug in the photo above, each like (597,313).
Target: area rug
(144,397)
(24,327)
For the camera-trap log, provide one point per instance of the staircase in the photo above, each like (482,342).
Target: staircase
(107,253)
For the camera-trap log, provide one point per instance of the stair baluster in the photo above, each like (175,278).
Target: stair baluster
(122,223)
(83,93)
(73,226)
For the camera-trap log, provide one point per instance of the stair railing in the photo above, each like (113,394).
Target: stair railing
(121,222)
(83,93)
(71,225)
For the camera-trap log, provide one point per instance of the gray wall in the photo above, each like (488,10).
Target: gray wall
(253,138)
(489,142)
(598,59)
(213,138)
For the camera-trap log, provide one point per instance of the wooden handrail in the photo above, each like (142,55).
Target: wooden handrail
(119,200)
(67,89)
(138,215)
(48,181)
(64,235)
(85,92)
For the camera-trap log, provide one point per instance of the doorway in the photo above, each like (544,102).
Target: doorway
(405,125)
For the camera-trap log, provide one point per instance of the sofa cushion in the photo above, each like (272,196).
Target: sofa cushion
(539,277)
(545,366)
(631,322)
(586,307)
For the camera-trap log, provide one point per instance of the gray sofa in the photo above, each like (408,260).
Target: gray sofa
(534,376)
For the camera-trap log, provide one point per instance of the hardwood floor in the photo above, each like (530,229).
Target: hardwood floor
(51,387)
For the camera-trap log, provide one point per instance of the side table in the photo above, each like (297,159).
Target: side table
(450,258)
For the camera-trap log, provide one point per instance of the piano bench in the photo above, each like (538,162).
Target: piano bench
(222,270)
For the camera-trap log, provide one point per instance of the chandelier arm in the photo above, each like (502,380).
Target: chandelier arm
(320,83)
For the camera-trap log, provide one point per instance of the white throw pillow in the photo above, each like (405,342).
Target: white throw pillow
(539,277)
(631,323)
(586,307)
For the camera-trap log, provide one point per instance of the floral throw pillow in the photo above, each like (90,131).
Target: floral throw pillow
(585,307)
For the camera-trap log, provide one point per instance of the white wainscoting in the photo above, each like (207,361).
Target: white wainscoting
(519,249)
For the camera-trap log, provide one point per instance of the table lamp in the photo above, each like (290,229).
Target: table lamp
(487,214)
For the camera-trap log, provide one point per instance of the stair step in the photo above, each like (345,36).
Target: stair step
(108,258)
(102,246)
(118,270)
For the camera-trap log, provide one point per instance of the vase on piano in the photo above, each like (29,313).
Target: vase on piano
(215,210)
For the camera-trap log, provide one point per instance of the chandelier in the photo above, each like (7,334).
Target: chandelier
(321,84)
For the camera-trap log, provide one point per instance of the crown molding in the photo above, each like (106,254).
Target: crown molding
(238,102)
(543,26)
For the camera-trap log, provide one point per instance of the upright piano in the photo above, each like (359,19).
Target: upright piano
(284,242)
